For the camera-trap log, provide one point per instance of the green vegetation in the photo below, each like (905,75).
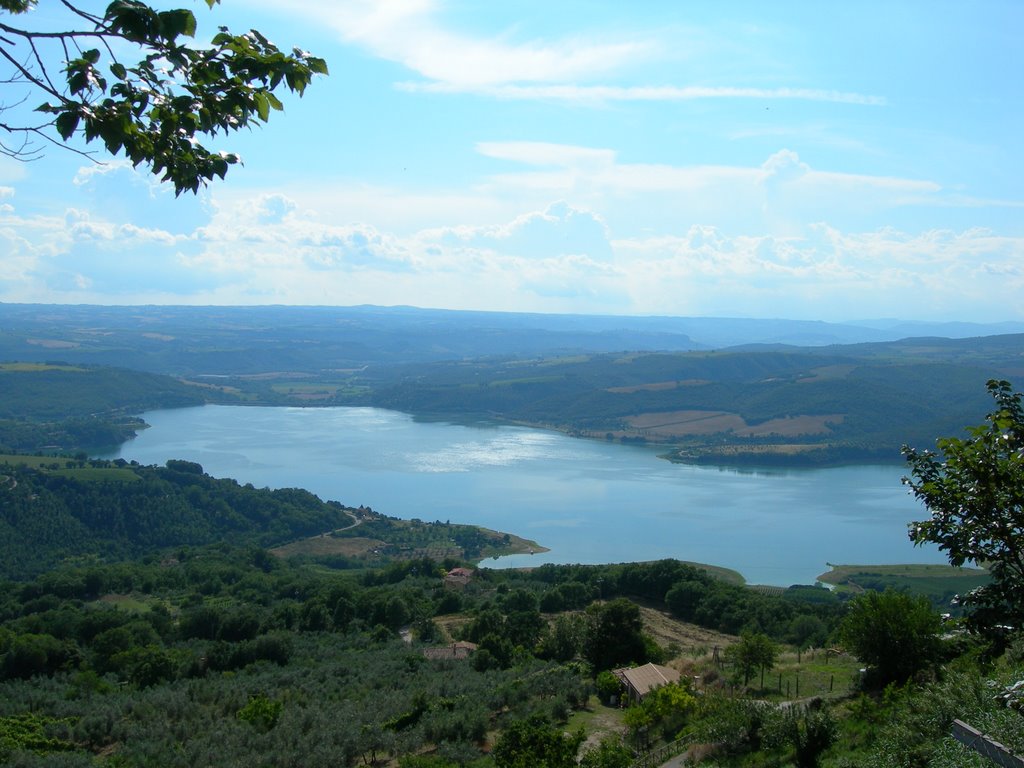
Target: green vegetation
(217,652)
(63,408)
(78,510)
(974,494)
(941,584)
(159,616)
(896,634)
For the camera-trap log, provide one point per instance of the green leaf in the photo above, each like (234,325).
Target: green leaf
(262,106)
(319,66)
(66,123)
(176,23)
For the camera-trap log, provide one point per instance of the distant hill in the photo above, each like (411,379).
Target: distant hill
(788,393)
(759,404)
(192,341)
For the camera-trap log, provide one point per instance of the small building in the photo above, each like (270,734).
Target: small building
(458,577)
(639,681)
(459,650)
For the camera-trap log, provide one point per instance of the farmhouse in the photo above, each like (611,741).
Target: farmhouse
(458,650)
(458,577)
(639,681)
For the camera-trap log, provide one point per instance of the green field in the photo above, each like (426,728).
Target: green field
(939,583)
(70,468)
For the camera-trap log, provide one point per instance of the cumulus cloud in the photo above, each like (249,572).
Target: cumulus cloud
(272,209)
(558,230)
(826,274)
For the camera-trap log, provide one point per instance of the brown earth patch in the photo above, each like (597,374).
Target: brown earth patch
(688,423)
(53,343)
(691,639)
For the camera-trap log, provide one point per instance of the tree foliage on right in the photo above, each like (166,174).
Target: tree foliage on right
(974,493)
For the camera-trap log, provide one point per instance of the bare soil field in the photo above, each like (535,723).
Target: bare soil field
(688,423)
(693,641)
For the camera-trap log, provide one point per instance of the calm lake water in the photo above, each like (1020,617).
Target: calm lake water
(588,501)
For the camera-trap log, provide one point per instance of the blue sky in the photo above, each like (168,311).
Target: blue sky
(746,159)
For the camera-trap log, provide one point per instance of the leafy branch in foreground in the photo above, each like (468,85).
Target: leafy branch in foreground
(154,110)
(975,496)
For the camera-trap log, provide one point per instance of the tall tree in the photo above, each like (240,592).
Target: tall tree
(615,635)
(974,493)
(893,632)
(154,110)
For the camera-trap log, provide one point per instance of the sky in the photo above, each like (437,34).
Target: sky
(797,160)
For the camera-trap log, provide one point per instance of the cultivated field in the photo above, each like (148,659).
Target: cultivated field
(694,423)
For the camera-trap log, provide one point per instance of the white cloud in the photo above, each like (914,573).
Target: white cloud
(827,274)
(413,34)
(559,230)
(600,94)
(547,154)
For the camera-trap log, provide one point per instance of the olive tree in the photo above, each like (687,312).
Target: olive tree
(152,110)
(974,494)
(755,651)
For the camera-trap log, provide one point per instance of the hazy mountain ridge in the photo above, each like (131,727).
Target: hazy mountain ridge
(188,341)
(764,400)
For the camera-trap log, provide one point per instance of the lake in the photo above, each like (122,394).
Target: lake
(588,501)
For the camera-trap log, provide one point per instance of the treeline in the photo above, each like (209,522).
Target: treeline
(802,615)
(69,510)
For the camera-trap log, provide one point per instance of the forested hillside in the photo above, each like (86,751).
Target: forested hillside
(809,405)
(82,511)
(69,408)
